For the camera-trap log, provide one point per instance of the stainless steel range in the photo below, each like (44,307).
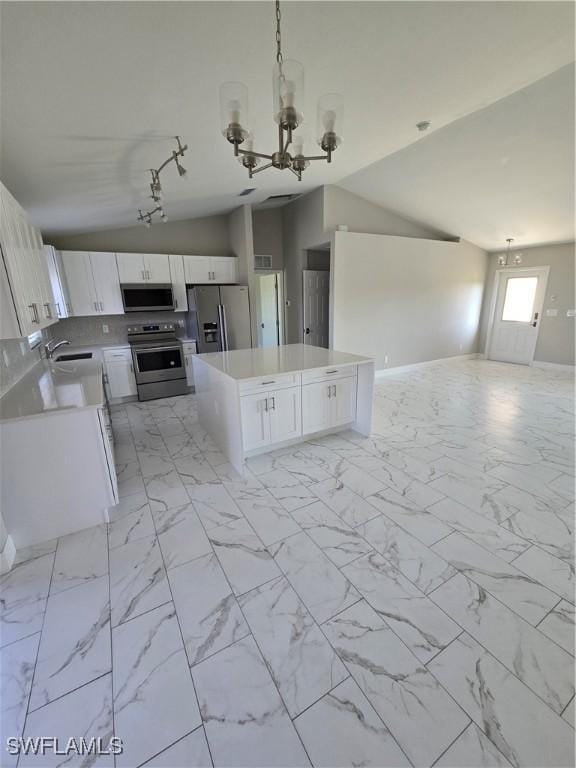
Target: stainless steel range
(158,360)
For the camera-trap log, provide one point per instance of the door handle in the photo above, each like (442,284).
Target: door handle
(307,331)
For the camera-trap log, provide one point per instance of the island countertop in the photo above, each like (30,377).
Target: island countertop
(272,361)
(54,386)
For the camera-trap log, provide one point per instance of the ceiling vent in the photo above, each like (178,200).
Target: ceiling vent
(262,262)
(275,201)
(247,191)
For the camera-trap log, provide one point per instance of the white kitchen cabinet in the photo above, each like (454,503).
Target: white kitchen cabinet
(327,404)
(210,269)
(80,281)
(224,269)
(157,267)
(26,270)
(106,283)
(189,348)
(120,380)
(255,421)
(143,267)
(57,281)
(285,413)
(270,417)
(93,284)
(178,281)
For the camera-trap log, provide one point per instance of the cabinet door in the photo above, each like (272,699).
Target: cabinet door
(197,269)
(255,421)
(189,370)
(121,381)
(131,267)
(223,269)
(316,407)
(56,281)
(285,409)
(18,264)
(157,267)
(78,273)
(178,283)
(343,401)
(107,283)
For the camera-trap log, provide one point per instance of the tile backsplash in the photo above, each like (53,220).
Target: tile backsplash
(16,359)
(88,330)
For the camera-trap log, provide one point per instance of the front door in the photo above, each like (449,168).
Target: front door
(316,301)
(517,315)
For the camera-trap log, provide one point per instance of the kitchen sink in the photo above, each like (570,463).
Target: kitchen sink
(77,356)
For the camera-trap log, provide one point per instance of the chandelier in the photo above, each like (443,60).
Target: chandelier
(504,258)
(288,93)
(146,217)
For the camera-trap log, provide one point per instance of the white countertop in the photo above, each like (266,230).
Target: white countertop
(272,361)
(52,386)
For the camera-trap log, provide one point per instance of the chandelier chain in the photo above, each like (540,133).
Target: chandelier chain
(278,35)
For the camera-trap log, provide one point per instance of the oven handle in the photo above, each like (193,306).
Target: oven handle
(158,349)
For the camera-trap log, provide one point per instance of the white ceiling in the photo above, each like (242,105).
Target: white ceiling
(91,92)
(504,171)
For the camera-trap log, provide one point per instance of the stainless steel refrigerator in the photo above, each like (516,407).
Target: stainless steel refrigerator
(219,317)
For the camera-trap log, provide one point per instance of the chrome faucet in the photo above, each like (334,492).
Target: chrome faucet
(51,349)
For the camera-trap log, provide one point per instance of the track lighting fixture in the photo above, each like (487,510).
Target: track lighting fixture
(156,187)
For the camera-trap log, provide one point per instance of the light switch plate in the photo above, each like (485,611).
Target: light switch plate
(571,313)
(551,313)
(105,329)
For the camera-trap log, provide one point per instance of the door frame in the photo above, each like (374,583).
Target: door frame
(280,298)
(498,276)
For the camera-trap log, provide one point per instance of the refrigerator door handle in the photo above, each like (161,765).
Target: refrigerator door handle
(223,326)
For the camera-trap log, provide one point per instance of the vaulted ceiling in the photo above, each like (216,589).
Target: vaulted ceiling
(92,93)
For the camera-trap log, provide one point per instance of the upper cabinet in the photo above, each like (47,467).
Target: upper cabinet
(93,284)
(210,269)
(25,273)
(178,283)
(58,282)
(143,267)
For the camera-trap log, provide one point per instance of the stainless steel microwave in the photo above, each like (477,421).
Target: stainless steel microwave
(151,297)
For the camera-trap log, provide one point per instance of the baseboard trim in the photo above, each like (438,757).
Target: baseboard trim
(553,366)
(412,366)
(7,555)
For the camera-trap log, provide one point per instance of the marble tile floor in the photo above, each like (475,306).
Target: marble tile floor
(400,600)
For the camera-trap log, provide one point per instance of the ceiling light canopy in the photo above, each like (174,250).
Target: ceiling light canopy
(288,97)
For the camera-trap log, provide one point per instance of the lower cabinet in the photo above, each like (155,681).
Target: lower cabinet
(327,404)
(271,417)
(189,349)
(120,379)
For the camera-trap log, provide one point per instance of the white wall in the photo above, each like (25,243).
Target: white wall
(556,336)
(206,236)
(361,215)
(408,298)
(267,229)
(242,243)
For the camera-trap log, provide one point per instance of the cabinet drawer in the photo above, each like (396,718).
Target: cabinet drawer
(324,374)
(269,382)
(189,347)
(119,353)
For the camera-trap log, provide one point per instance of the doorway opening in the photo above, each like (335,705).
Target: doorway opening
(516,314)
(270,303)
(316,297)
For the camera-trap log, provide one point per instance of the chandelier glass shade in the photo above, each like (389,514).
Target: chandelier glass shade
(288,97)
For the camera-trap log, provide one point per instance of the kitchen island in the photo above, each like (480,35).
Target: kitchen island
(251,401)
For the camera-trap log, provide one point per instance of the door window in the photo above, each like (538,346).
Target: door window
(519,299)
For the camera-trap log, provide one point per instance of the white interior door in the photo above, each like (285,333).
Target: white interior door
(517,314)
(268,318)
(316,301)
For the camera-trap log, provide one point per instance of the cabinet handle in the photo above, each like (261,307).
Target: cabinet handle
(273,403)
(96,306)
(48,311)
(266,405)
(334,387)
(58,309)
(327,372)
(329,392)
(101,306)
(68,308)
(34,309)
(264,383)
(142,273)
(175,303)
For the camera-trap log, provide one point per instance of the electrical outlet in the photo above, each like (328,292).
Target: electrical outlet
(24,348)
(385,358)
(105,328)
(5,358)
(461,347)
(180,323)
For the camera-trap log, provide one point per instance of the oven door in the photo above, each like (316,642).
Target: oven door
(147,298)
(158,363)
